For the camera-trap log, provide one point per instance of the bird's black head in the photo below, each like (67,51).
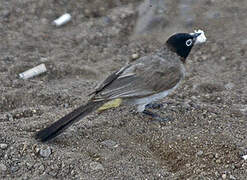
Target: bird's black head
(182,43)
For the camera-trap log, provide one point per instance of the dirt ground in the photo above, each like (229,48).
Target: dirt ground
(208,134)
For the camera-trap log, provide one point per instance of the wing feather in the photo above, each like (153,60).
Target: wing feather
(147,76)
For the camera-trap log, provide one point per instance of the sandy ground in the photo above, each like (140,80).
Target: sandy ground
(205,140)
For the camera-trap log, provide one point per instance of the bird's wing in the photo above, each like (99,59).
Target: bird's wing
(147,76)
(109,80)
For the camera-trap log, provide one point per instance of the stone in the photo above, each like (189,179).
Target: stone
(45,152)
(135,56)
(3,168)
(199,153)
(96,166)
(110,143)
(3,146)
(223,176)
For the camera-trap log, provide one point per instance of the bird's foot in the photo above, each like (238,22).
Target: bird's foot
(156,117)
(154,106)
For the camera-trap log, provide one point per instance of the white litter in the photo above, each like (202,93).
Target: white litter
(33,72)
(200,39)
(244,157)
(62,20)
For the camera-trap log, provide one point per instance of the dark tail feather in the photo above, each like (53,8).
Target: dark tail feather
(62,124)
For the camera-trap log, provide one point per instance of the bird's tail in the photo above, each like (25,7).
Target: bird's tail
(65,122)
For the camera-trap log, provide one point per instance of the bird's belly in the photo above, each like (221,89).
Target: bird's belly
(155,97)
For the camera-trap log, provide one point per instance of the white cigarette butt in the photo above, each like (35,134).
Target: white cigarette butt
(33,72)
(62,20)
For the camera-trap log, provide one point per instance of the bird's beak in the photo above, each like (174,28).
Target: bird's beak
(195,35)
(198,37)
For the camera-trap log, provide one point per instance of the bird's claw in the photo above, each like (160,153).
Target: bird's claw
(154,106)
(156,117)
(162,119)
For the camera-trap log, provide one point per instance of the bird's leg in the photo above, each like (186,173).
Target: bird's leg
(154,106)
(143,109)
(155,116)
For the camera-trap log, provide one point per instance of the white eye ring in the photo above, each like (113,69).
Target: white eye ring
(188,42)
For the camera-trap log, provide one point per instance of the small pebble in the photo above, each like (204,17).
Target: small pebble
(232,177)
(204,57)
(217,174)
(135,56)
(5,13)
(223,176)
(237,166)
(29,165)
(45,152)
(3,167)
(244,42)
(110,143)
(211,156)
(41,168)
(44,59)
(199,153)
(223,58)
(3,146)
(96,166)
(44,21)
(187,165)
(10,117)
(218,161)
(36,150)
(6,156)
(14,169)
(229,86)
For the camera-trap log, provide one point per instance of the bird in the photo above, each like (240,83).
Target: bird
(144,81)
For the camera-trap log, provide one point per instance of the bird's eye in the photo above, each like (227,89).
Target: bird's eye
(188,42)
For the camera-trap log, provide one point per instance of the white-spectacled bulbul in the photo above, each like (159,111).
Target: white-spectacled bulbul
(141,82)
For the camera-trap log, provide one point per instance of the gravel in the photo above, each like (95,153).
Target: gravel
(199,153)
(3,146)
(96,166)
(45,152)
(207,135)
(2,167)
(110,143)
